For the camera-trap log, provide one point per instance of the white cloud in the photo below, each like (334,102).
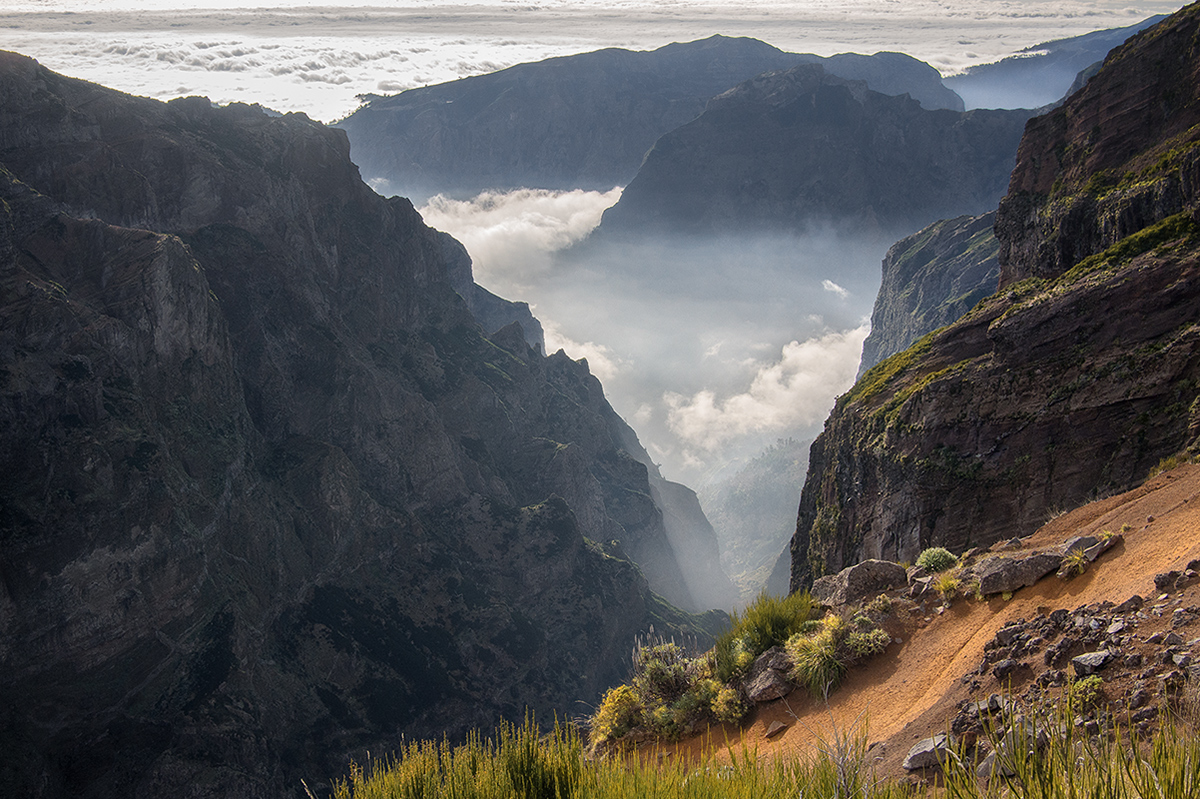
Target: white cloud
(834,288)
(794,391)
(602,362)
(510,235)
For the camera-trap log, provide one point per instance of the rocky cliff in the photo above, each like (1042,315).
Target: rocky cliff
(802,149)
(582,121)
(272,497)
(930,279)
(1078,376)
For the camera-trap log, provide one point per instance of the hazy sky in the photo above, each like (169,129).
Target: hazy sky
(710,349)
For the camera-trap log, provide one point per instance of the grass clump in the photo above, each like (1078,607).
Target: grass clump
(768,621)
(822,655)
(1074,563)
(936,559)
(947,585)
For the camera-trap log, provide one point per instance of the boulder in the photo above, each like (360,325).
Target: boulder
(767,678)
(866,579)
(929,753)
(999,575)
(1090,662)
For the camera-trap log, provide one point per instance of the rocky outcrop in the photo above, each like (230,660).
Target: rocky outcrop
(931,279)
(582,121)
(272,498)
(864,580)
(799,148)
(1077,377)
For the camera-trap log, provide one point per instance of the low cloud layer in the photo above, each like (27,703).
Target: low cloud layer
(791,393)
(315,56)
(511,235)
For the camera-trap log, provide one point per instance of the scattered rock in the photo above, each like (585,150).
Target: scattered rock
(1006,668)
(1090,662)
(999,575)
(767,678)
(929,753)
(867,579)
(1164,581)
(776,728)
(1131,605)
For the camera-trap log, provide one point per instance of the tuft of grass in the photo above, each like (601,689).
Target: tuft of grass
(947,584)
(936,559)
(766,622)
(816,665)
(1075,563)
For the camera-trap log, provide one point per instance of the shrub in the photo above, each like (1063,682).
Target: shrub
(1086,692)
(936,559)
(768,621)
(880,605)
(619,713)
(866,643)
(728,706)
(815,662)
(662,671)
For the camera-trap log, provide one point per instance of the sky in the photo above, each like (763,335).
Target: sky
(711,349)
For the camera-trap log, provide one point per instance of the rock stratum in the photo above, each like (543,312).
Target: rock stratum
(272,496)
(802,149)
(930,279)
(1072,381)
(582,121)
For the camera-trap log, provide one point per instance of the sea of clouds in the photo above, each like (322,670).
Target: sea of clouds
(713,348)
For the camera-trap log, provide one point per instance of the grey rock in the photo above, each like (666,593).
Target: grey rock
(866,579)
(767,678)
(1090,662)
(999,575)
(1165,581)
(929,753)
(1131,605)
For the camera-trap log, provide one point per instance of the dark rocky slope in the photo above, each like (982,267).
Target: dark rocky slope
(582,121)
(271,496)
(930,279)
(1078,376)
(801,148)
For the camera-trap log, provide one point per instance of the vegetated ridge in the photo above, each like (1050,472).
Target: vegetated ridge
(1073,380)
(582,121)
(272,498)
(802,149)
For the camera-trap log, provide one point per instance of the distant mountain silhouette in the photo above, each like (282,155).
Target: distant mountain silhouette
(582,121)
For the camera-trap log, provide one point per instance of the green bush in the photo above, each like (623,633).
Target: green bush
(936,559)
(865,643)
(768,621)
(815,662)
(619,713)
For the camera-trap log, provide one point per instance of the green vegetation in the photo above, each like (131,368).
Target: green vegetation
(1133,245)
(879,375)
(1086,692)
(1075,563)
(936,559)
(821,653)
(521,763)
(768,621)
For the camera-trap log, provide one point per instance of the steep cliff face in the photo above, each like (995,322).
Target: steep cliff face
(271,496)
(801,148)
(930,279)
(1073,380)
(582,121)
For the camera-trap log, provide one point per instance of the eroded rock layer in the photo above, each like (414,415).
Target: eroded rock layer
(271,497)
(1077,377)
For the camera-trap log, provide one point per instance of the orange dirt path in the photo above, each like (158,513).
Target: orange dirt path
(912,690)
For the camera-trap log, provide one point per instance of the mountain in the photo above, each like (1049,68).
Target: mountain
(802,148)
(930,279)
(1072,381)
(754,512)
(273,498)
(581,121)
(1039,75)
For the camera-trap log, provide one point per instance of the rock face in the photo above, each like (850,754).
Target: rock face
(931,279)
(582,121)
(271,496)
(1063,384)
(801,147)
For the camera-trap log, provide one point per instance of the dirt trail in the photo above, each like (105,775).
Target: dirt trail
(911,691)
